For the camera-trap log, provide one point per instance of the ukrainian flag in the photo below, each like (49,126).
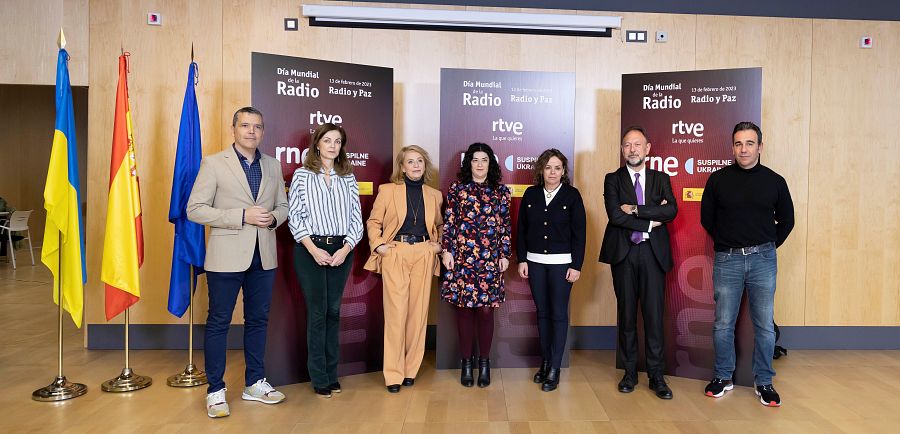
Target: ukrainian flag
(63,250)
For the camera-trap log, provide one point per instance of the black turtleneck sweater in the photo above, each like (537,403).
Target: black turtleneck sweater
(746,207)
(414,224)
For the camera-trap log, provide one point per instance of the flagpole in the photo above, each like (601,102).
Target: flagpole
(60,389)
(127,381)
(191,376)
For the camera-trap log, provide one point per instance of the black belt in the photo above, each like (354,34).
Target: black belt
(749,250)
(410,239)
(327,239)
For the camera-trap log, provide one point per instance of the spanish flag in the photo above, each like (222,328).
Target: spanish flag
(123,247)
(63,250)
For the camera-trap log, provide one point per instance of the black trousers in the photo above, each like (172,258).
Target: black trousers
(323,289)
(550,291)
(639,279)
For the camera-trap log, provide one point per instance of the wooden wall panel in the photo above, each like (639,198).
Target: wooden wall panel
(854,176)
(782,47)
(158,63)
(101,99)
(818,88)
(28,34)
(259,26)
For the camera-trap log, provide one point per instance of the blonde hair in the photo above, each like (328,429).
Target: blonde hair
(398,175)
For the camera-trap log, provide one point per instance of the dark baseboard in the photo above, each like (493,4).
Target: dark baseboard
(593,338)
(175,336)
(154,336)
(840,337)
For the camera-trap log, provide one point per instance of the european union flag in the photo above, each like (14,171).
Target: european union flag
(189,250)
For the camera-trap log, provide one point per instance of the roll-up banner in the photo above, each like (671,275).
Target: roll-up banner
(296,96)
(519,114)
(689,117)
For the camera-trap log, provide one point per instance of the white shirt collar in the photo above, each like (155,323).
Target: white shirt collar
(552,193)
(643,173)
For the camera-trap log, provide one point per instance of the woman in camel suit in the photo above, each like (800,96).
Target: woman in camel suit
(404,231)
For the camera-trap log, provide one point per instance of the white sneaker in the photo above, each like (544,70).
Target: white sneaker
(216,406)
(263,392)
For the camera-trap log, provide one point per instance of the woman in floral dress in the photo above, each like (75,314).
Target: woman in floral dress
(476,243)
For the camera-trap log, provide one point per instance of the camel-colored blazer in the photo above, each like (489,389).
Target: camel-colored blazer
(388,214)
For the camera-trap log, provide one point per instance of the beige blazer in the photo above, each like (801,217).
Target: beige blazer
(218,199)
(388,214)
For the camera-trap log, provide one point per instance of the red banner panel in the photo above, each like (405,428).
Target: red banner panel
(296,96)
(689,117)
(519,114)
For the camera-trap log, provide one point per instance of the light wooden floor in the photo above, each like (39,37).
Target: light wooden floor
(823,391)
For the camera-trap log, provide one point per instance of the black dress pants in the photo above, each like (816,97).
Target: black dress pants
(639,279)
(551,291)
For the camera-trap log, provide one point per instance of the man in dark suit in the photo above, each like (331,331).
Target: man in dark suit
(639,202)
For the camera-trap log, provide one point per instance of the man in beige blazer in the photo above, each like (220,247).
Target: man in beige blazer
(239,194)
(404,231)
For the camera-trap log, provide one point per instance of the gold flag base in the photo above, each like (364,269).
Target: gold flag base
(190,377)
(127,381)
(59,390)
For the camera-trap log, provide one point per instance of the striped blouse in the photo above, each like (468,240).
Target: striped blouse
(316,209)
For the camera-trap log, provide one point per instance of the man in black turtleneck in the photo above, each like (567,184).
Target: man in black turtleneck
(747,209)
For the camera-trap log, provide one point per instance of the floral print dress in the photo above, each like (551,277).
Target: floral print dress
(477,234)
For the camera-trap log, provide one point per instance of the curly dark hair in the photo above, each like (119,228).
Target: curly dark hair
(544,159)
(465,172)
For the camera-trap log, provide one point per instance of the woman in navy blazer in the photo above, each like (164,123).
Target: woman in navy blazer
(550,251)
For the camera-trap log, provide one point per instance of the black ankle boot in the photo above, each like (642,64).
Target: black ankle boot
(551,381)
(484,372)
(466,377)
(541,374)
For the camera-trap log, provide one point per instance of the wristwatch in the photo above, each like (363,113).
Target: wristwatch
(634,209)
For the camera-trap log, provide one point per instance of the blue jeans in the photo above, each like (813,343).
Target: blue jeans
(732,273)
(223,291)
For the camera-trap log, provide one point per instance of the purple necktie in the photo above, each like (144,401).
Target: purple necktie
(638,236)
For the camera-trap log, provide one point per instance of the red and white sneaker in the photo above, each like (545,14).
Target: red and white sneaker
(768,396)
(717,387)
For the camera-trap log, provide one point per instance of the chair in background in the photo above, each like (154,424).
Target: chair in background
(18,222)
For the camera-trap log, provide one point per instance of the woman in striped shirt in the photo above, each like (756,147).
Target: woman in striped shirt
(326,221)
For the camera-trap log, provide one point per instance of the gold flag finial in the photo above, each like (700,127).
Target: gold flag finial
(61,41)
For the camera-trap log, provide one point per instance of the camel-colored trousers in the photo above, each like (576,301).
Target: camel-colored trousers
(406,274)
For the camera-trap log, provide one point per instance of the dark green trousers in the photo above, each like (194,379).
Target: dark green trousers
(323,288)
